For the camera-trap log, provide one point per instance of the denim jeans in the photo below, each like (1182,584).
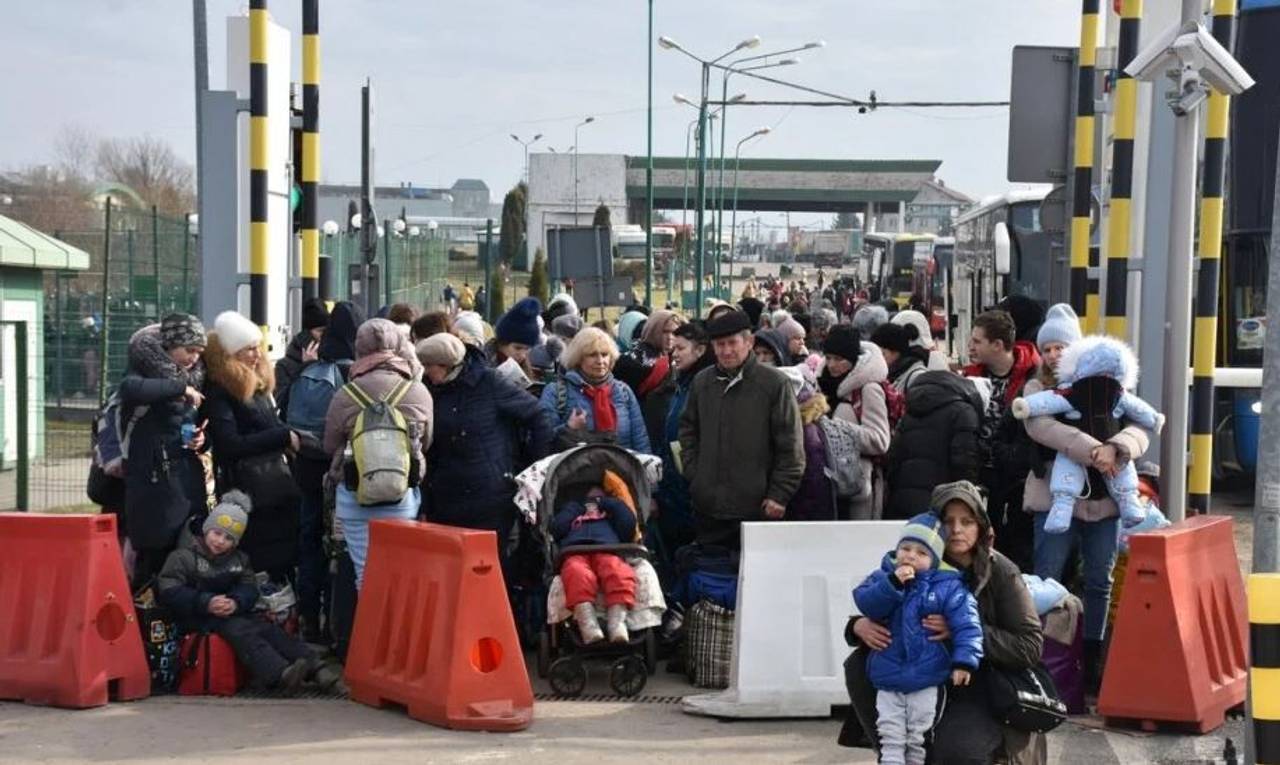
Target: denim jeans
(1098,543)
(355,522)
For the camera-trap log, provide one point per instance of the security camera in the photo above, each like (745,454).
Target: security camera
(1190,47)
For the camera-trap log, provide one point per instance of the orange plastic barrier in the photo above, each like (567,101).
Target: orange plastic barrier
(1179,652)
(68,633)
(434,630)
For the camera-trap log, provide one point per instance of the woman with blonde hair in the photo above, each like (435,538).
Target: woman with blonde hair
(587,403)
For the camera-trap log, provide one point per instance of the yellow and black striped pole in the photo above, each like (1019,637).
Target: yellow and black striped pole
(1205,339)
(1264,666)
(310,170)
(1120,217)
(258,231)
(1083,164)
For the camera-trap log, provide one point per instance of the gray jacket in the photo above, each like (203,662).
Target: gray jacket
(741,441)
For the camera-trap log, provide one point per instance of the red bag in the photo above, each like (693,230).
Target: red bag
(209,667)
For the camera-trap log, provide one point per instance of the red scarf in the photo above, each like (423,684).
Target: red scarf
(657,374)
(602,411)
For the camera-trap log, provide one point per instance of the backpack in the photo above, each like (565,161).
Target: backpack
(310,394)
(843,448)
(380,443)
(894,403)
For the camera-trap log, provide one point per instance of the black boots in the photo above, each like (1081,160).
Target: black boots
(1093,664)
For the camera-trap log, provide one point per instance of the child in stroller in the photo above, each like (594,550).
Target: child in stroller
(598,520)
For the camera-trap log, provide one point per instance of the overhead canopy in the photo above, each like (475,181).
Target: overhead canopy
(26,247)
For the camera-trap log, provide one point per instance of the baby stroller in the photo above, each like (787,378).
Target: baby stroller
(562,656)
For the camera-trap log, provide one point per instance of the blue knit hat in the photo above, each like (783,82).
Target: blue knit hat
(520,324)
(1061,325)
(927,529)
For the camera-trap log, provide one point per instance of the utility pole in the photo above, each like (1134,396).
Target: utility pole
(1266,511)
(648,182)
(368,219)
(702,189)
(200,28)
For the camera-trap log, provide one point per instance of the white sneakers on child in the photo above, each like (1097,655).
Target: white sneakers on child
(616,624)
(588,623)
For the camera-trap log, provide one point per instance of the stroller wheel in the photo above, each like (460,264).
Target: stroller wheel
(628,675)
(651,651)
(568,676)
(544,652)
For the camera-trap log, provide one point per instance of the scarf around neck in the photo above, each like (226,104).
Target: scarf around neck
(603,412)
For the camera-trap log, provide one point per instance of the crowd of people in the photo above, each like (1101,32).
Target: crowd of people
(794,403)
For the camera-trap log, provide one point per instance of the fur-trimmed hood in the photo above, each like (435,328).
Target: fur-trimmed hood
(1099,356)
(241,381)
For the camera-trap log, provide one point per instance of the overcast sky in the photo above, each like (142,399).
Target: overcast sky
(454,79)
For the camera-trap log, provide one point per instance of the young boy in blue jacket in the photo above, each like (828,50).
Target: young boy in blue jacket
(597,520)
(913,582)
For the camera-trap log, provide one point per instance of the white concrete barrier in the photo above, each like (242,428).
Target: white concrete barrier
(795,593)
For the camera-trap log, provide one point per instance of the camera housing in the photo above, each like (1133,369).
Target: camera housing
(1195,56)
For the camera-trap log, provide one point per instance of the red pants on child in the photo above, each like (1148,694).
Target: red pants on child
(584,574)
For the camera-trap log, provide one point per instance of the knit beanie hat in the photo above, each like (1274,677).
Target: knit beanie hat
(923,336)
(231,514)
(891,337)
(1061,325)
(566,326)
(520,324)
(869,317)
(314,314)
(629,325)
(235,332)
(443,349)
(470,324)
(843,341)
(180,330)
(790,328)
(927,529)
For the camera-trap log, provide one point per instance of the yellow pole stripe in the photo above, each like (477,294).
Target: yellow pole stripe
(311,59)
(1131,9)
(1092,311)
(258,36)
(1116,326)
(1088,39)
(310,248)
(257,143)
(1219,109)
(1224,7)
(1264,598)
(1205,350)
(259,233)
(1118,233)
(1126,108)
(1266,693)
(1211,227)
(1200,479)
(1079,242)
(310,157)
(1084,141)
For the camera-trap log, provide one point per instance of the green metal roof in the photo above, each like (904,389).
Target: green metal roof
(783,196)
(25,247)
(804,165)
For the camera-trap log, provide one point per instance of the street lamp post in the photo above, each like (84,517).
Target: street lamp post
(526,145)
(733,223)
(668,43)
(587,121)
(648,181)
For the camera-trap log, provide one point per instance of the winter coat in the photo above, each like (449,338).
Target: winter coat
(815,500)
(912,662)
(290,366)
(481,424)
(873,424)
(741,441)
(675,518)
(611,523)
(164,480)
(1131,442)
(936,442)
(192,576)
(908,368)
(631,432)
(777,345)
(377,384)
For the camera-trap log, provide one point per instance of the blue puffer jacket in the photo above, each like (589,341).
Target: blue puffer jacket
(485,429)
(631,431)
(610,524)
(912,662)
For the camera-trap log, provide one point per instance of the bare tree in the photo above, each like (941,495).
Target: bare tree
(46,198)
(150,167)
(74,150)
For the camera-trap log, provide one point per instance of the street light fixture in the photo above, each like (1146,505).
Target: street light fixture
(574,148)
(526,145)
(733,223)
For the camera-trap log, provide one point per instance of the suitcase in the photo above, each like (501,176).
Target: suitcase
(209,667)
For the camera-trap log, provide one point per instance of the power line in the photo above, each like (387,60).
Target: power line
(841,100)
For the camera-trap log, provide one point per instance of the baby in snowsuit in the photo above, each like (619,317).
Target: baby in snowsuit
(913,582)
(1096,374)
(598,520)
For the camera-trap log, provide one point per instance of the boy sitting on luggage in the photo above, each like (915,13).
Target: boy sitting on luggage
(913,582)
(598,520)
(209,586)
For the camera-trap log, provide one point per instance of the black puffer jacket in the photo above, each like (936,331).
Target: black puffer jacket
(192,576)
(936,442)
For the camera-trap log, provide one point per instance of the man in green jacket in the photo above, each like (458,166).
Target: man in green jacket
(741,442)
